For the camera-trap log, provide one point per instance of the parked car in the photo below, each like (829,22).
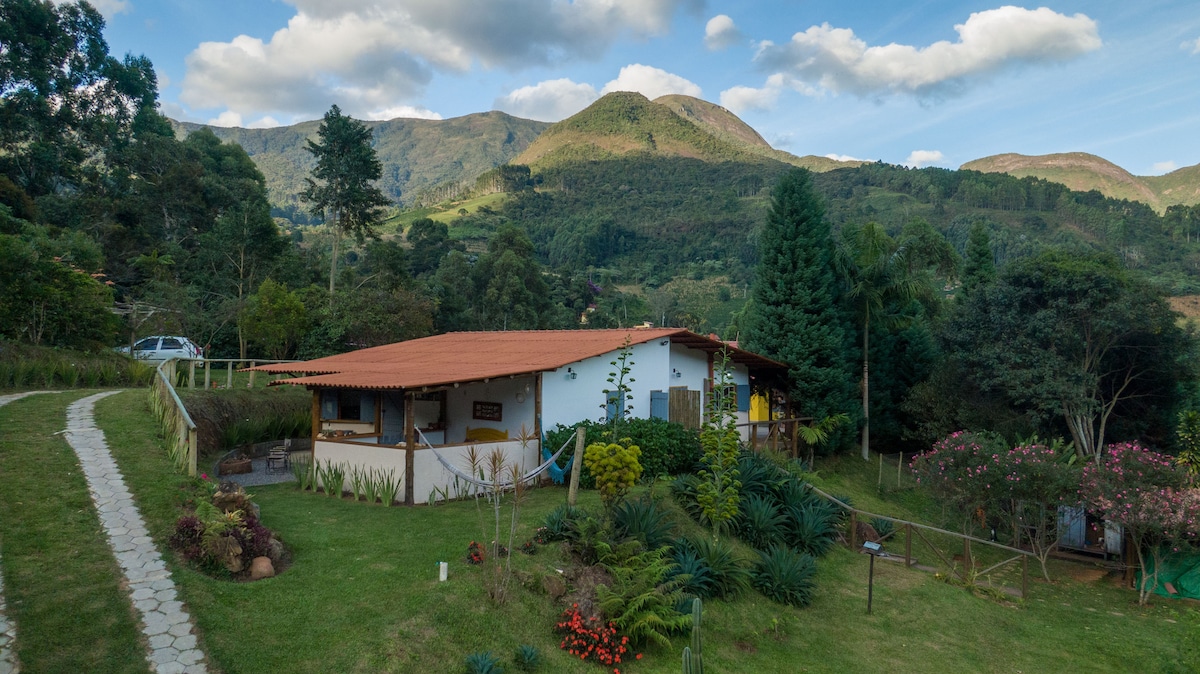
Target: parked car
(160,348)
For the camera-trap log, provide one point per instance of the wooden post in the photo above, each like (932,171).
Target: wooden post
(1024,576)
(207,374)
(795,436)
(191,374)
(853,529)
(410,447)
(576,467)
(316,418)
(192,433)
(899,463)
(537,413)
(907,545)
(251,384)
(879,482)
(968,563)
(229,375)
(754,436)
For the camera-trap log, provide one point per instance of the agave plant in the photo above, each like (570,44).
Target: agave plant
(483,663)
(527,658)
(759,522)
(786,576)
(694,574)
(758,475)
(883,527)
(644,520)
(812,529)
(558,523)
(685,489)
(730,573)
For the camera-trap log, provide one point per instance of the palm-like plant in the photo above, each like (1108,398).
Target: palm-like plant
(880,272)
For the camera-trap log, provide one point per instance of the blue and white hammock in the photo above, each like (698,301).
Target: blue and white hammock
(502,484)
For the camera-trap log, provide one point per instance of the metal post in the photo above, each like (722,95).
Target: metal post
(871,584)
(576,466)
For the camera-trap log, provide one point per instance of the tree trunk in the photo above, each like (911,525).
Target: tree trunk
(866,430)
(337,232)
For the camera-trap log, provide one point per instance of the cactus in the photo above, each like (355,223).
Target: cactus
(693,656)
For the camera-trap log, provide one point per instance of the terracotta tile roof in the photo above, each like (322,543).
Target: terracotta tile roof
(473,356)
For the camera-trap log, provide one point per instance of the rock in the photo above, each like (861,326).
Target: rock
(554,585)
(275,550)
(261,567)
(866,532)
(230,496)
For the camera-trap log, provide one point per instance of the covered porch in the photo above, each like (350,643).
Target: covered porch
(405,430)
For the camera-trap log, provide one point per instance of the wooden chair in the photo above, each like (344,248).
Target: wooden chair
(277,459)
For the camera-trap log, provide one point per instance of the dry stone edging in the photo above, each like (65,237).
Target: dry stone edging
(8,629)
(165,621)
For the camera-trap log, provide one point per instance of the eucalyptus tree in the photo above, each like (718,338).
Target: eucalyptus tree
(340,189)
(881,274)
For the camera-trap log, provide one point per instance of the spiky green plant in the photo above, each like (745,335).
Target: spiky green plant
(644,520)
(527,658)
(718,492)
(786,576)
(389,486)
(883,527)
(558,522)
(730,571)
(759,475)
(693,573)
(685,489)
(760,522)
(811,529)
(693,655)
(483,663)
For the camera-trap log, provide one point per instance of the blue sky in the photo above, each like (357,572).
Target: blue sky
(921,83)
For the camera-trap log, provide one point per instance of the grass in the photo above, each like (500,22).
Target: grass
(61,581)
(362,595)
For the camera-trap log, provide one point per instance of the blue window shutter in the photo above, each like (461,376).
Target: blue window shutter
(329,405)
(659,406)
(743,397)
(366,408)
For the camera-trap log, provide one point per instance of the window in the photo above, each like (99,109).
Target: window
(349,405)
(147,344)
(171,343)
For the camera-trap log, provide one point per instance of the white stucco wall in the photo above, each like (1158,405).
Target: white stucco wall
(460,406)
(567,401)
(430,474)
(354,454)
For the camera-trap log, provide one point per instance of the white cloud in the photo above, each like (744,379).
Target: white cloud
(721,33)
(989,41)
(741,99)
(548,101)
(1164,167)
(162,79)
(369,56)
(407,111)
(227,118)
(846,157)
(651,82)
(267,122)
(922,158)
(107,8)
(1192,46)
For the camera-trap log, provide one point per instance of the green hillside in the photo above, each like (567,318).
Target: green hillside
(1084,172)
(417,154)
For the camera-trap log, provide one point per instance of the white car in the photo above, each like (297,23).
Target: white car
(160,348)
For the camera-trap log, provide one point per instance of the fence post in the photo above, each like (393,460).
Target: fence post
(192,432)
(754,436)
(968,563)
(229,375)
(879,482)
(907,545)
(1024,576)
(899,463)
(853,529)
(191,374)
(207,377)
(251,384)
(576,466)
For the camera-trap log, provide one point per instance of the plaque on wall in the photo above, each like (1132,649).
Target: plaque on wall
(487,411)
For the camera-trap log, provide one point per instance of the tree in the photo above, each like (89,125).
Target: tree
(979,268)
(794,315)
(430,242)
(882,274)
(508,280)
(1145,493)
(274,318)
(1073,336)
(340,188)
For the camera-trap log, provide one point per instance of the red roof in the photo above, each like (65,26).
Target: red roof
(473,356)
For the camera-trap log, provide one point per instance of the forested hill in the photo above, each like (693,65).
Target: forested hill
(416,154)
(1085,172)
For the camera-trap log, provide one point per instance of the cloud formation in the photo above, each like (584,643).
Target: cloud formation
(835,59)
(721,33)
(1164,167)
(548,101)
(1192,45)
(923,158)
(371,57)
(651,82)
(846,157)
(107,8)
(742,99)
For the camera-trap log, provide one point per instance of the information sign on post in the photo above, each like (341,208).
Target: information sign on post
(872,549)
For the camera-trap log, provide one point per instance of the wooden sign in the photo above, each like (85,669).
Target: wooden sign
(487,411)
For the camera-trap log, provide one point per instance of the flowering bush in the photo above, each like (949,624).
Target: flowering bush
(475,553)
(529,548)
(589,638)
(962,470)
(1145,492)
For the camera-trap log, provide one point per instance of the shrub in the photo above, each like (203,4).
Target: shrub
(483,663)
(668,448)
(616,468)
(883,527)
(589,638)
(759,475)
(730,573)
(644,520)
(527,658)
(812,529)
(694,575)
(559,523)
(785,576)
(760,522)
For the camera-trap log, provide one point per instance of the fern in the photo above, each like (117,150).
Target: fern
(642,599)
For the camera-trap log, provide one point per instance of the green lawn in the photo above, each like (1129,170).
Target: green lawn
(61,581)
(362,594)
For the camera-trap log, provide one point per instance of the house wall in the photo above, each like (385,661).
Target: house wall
(378,457)
(460,407)
(430,475)
(567,401)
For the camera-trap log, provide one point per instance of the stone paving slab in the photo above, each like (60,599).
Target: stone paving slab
(165,621)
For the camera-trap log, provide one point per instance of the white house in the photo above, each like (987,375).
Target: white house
(386,406)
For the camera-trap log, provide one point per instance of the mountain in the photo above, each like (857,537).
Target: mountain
(417,154)
(1084,172)
(626,123)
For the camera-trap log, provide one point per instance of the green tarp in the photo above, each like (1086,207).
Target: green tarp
(1181,570)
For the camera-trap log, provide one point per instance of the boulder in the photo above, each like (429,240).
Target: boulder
(230,496)
(261,567)
(554,585)
(275,550)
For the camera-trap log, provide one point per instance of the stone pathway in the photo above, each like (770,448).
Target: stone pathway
(165,621)
(8,630)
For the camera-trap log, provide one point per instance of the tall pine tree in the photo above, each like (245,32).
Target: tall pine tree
(979,268)
(795,316)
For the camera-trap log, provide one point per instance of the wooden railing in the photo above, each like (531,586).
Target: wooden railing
(780,433)
(177,426)
(207,363)
(968,573)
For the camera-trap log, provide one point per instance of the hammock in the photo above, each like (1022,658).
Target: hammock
(493,484)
